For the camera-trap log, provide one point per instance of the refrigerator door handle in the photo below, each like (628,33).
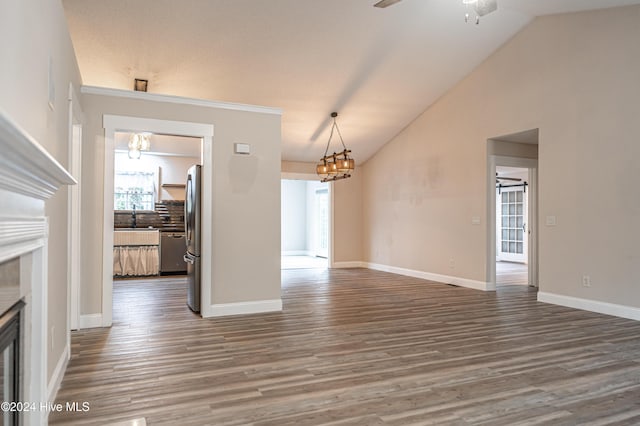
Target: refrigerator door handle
(189,259)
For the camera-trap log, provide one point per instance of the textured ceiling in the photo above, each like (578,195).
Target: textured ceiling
(379,68)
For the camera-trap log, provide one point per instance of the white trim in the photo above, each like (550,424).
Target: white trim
(244,308)
(36,266)
(298,176)
(532,226)
(113,123)
(297,253)
(206,249)
(445,279)
(74,213)
(91,321)
(353,264)
(606,308)
(107,227)
(58,375)
(18,237)
(123,123)
(25,166)
(155,97)
(332,212)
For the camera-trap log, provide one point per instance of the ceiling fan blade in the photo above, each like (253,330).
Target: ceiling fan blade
(386,3)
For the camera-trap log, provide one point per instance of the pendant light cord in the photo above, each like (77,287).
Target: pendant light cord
(334,126)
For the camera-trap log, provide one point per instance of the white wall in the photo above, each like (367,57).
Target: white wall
(575,78)
(294,217)
(312,212)
(299,211)
(33,35)
(246,196)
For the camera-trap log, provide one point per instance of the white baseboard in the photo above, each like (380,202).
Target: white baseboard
(243,308)
(297,253)
(353,264)
(621,311)
(58,374)
(91,321)
(446,279)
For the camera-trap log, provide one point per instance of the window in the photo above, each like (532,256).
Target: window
(134,190)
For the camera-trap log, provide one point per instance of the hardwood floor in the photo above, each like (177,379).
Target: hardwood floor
(355,347)
(511,273)
(303,262)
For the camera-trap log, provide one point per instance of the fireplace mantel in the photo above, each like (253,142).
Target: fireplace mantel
(25,166)
(29,175)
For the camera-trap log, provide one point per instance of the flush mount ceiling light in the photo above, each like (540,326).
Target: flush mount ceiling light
(140,85)
(138,142)
(480,7)
(337,165)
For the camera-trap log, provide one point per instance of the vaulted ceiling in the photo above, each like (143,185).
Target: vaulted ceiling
(378,68)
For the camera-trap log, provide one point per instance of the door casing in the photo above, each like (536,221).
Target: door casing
(532,165)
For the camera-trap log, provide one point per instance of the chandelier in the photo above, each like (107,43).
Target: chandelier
(138,142)
(480,7)
(337,165)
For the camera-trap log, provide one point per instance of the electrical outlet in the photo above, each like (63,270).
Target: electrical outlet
(452,263)
(586,281)
(53,335)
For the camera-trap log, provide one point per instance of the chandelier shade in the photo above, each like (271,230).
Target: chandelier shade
(138,142)
(338,165)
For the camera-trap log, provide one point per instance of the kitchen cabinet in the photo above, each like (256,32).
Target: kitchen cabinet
(135,252)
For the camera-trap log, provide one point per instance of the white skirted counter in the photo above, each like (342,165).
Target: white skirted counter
(135,252)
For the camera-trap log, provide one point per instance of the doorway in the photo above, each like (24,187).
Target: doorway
(512,235)
(305,224)
(149,194)
(512,210)
(114,124)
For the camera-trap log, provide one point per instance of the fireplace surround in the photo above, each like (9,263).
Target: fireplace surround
(29,176)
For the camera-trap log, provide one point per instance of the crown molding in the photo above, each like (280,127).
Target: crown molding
(155,97)
(25,166)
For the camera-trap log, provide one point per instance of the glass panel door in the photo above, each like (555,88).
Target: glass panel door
(322,223)
(512,225)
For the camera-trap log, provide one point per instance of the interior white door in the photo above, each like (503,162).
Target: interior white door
(511,226)
(322,223)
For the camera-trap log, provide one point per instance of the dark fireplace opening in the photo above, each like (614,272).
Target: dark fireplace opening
(10,359)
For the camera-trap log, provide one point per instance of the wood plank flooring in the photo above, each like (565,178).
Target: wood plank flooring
(355,347)
(303,262)
(511,273)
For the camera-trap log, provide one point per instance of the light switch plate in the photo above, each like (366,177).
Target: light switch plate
(475,220)
(551,221)
(242,148)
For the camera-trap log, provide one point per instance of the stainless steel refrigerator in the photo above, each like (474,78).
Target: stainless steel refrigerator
(192,235)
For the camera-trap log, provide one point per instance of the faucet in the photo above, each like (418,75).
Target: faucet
(133,216)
